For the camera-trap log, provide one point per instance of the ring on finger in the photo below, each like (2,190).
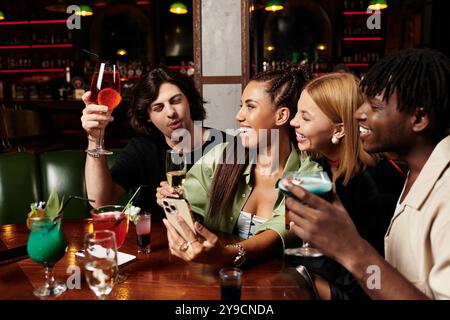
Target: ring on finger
(184,246)
(192,241)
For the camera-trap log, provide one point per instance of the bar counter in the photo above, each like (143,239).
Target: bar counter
(155,276)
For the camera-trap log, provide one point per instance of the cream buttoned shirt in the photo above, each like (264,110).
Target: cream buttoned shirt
(417,242)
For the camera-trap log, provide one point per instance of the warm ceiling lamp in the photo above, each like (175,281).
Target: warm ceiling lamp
(122,52)
(378,5)
(274,5)
(85,10)
(2,15)
(178,8)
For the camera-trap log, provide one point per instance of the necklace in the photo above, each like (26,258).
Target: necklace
(333,163)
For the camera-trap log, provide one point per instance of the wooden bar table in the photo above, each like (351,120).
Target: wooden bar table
(155,276)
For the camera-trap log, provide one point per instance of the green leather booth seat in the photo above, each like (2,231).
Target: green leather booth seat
(62,171)
(20,185)
(27,178)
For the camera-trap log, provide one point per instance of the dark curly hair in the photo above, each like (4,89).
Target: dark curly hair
(147,90)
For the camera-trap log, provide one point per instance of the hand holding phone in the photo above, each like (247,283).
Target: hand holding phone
(173,206)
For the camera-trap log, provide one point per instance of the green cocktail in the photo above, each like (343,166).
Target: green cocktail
(46,246)
(47,243)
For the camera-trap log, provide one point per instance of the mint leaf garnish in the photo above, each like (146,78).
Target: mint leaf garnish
(132,212)
(53,206)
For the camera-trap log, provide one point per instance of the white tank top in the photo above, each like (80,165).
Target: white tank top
(248,224)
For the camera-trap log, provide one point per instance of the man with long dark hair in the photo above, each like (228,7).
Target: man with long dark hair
(406,112)
(163,101)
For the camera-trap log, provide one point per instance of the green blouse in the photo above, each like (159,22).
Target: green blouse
(198,183)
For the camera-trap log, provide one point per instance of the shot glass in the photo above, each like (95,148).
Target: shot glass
(143,232)
(230,283)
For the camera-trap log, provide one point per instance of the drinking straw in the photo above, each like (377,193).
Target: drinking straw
(134,195)
(68,200)
(60,211)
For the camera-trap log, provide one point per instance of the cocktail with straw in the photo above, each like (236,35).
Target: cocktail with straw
(114,218)
(143,223)
(47,243)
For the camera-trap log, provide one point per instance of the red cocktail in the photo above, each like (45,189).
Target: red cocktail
(111,218)
(105,90)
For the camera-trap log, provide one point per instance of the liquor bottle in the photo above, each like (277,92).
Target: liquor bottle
(139,71)
(2,94)
(68,92)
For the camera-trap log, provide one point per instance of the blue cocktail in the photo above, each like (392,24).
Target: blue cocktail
(315,182)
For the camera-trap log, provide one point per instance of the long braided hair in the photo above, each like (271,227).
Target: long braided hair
(284,88)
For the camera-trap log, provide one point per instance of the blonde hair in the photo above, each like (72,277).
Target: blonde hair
(338,96)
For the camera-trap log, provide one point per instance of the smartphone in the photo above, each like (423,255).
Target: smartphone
(172,206)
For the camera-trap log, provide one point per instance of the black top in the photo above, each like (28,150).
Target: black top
(370,199)
(142,162)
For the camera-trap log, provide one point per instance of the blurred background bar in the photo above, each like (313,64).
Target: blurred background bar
(222,44)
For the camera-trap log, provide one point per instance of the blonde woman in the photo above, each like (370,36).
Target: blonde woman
(367,186)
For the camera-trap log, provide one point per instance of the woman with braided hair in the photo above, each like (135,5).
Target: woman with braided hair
(233,186)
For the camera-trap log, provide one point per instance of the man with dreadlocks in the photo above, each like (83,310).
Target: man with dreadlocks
(407,112)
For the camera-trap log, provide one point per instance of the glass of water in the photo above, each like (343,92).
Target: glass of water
(101,267)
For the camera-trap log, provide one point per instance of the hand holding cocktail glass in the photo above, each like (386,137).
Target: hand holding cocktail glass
(316,182)
(175,173)
(95,118)
(104,96)
(175,168)
(325,224)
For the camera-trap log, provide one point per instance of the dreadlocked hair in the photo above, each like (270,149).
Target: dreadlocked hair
(421,79)
(284,88)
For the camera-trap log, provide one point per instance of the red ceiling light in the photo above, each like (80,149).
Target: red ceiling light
(13,23)
(14,47)
(32,70)
(41,46)
(32,22)
(357,64)
(47,21)
(100,4)
(363,39)
(349,13)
